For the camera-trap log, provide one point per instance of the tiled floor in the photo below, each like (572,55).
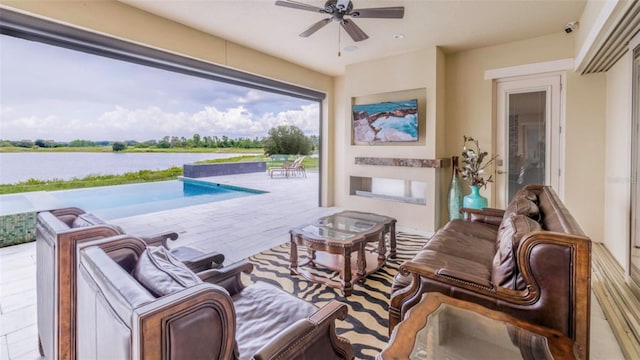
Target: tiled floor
(238,228)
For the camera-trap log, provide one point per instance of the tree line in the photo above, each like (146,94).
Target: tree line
(166,142)
(285,139)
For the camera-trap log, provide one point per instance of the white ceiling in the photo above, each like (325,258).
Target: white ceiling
(452,24)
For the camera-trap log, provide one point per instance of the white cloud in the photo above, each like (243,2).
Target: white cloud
(153,122)
(251,96)
(132,102)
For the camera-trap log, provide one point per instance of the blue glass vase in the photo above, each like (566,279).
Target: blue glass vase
(455,191)
(475,200)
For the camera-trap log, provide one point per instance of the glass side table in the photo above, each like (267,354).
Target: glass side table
(440,327)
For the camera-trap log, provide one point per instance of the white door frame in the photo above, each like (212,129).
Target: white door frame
(634,239)
(553,84)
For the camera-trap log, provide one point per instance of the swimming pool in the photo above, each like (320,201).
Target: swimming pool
(111,202)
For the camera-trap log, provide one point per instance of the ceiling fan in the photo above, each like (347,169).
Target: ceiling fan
(338,9)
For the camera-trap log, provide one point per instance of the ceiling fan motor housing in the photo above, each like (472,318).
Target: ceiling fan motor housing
(336,7)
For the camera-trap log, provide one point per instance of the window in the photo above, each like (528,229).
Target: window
(24,27)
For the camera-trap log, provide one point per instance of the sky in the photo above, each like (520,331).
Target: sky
(52,93)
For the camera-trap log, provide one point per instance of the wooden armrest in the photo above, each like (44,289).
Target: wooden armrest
(161,239)
(300,337)
(212,260)
(465,277)
(67,211)
(151,323)
(228,277)
(488,290)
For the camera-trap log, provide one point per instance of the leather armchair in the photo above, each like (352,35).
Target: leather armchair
(121,315)
(58,234)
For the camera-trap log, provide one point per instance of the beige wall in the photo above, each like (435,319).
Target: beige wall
(618,160)
(469,110)
(119,20)
(387,78)
(584,152)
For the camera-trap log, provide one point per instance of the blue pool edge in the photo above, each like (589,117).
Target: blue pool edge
(205,183)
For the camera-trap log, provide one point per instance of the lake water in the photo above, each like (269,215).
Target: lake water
(16,167)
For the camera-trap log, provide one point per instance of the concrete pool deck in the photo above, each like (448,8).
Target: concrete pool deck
(237,228)
(243,226)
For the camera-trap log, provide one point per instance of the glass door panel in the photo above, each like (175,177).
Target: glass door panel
(526,140)
(528,135)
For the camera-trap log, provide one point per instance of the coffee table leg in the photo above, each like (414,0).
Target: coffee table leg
(382,248)
(392,238)
(293,257)
(361,261)
(346,274)
(311,254)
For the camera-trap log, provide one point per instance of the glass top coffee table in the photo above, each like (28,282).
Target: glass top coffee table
(440,327)
(330,244)
(388,222)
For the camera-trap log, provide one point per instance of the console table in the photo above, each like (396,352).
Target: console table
(440,327)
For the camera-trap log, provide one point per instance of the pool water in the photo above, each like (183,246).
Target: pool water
(111,202)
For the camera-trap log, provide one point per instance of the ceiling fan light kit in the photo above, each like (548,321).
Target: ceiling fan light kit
(338,9)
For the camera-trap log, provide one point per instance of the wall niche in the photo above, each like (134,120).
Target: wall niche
(406,191)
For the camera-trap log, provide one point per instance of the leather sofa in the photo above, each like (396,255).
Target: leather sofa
(530,260)
(58,234)
(136,302)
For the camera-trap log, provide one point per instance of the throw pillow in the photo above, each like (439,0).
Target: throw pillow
(527,194)
(161,273)
(522,206)
(505,268)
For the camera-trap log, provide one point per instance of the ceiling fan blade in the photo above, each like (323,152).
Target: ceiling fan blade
(299,6)
(353,30)
(315,27)
(394,12)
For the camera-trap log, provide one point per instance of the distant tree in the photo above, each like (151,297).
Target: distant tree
(118,146)
(45,143)
(316,141)
(196,141)
(23,143)
(164,143)
(287,139)
(81,143)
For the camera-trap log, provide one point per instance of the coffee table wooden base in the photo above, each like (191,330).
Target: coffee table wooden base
(350,272)
(334,249)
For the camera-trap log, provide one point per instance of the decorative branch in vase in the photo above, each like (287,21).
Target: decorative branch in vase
(473,171)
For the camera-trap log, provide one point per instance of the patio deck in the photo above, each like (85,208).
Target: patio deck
(238,228)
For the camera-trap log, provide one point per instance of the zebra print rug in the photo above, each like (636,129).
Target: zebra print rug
(367,322)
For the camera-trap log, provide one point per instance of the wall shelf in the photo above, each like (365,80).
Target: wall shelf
(406,191)
(405,199)
(421,163)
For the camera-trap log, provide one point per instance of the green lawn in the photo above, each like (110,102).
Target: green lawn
(129,178)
